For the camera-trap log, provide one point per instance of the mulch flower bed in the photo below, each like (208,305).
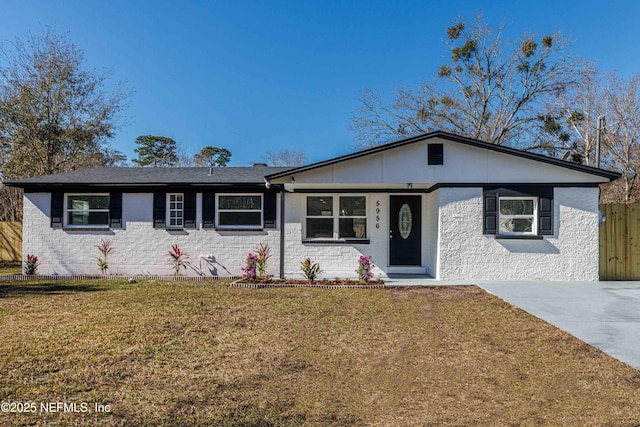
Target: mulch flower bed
(325,284)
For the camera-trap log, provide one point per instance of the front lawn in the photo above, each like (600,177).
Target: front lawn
(182,353)
(10,267)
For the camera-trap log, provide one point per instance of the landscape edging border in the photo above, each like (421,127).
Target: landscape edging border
(241,284)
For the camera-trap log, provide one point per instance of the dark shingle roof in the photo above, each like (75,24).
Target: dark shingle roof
(153,176)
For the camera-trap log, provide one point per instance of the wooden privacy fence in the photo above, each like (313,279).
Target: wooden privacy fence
(10,241)
(620,242)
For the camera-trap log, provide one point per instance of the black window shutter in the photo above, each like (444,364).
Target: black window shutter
(269,210)
(435,154)
(160,210)
(545,216)
(208,210)
(57,209)
(115,210)
(190,210)
(490,212)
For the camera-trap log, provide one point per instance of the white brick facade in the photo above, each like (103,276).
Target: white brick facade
(138,247)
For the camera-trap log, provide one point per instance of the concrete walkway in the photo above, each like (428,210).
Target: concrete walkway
(603,314)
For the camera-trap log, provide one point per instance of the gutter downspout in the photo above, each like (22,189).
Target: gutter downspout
(282,233)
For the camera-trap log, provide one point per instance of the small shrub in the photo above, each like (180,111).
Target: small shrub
(263,253)
(251,268)
(310,270)
(105,247)
(178,259)
(365,264)
(31,264)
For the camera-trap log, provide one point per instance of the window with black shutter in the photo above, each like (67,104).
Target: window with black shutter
(189,210)
(269,211)
(115,210)
(518,211)
(208,210)
(159,210)
(57,209)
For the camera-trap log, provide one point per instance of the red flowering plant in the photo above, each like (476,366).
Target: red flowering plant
(365,264)
(105,247)
(178,259)
(310,270)
(251,268)
(31,264)
(264,253)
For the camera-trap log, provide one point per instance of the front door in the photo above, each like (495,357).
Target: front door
(405,230)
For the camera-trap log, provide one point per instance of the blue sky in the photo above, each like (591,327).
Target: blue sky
(257,75)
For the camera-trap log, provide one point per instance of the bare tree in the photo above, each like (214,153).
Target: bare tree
(572,122)
(54,111)
(569,124)
(490,90)
(285,157)
(622,139)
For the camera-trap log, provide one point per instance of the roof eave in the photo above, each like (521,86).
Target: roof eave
(139,187)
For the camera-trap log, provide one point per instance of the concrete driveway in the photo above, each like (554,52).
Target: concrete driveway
(603,314)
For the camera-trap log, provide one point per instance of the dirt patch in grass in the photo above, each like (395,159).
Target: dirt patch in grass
(179,353)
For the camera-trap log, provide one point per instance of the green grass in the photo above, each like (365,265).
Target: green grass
(177,353)
(10,268)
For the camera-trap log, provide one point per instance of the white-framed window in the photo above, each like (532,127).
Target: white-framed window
(86,210)
(336,217)
(175,210)
(320,218)
(518,215)
(239,210)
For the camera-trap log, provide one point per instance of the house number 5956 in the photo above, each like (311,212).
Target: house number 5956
(377,213)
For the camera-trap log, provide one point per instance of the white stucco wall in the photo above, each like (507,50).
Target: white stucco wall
(340,260)
(431,233)
(138,247)
(336,260)
(570,254)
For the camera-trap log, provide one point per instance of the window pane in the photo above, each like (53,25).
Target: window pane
(319,206)
(240,202)
(518,225)
(320,227)
(353,228)
(88,202)
(88,218)
(241,218)
(353,206)
(516,207)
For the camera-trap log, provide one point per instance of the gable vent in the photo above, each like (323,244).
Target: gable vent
(435,154)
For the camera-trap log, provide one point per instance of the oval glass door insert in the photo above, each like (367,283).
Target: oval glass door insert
(405,220)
